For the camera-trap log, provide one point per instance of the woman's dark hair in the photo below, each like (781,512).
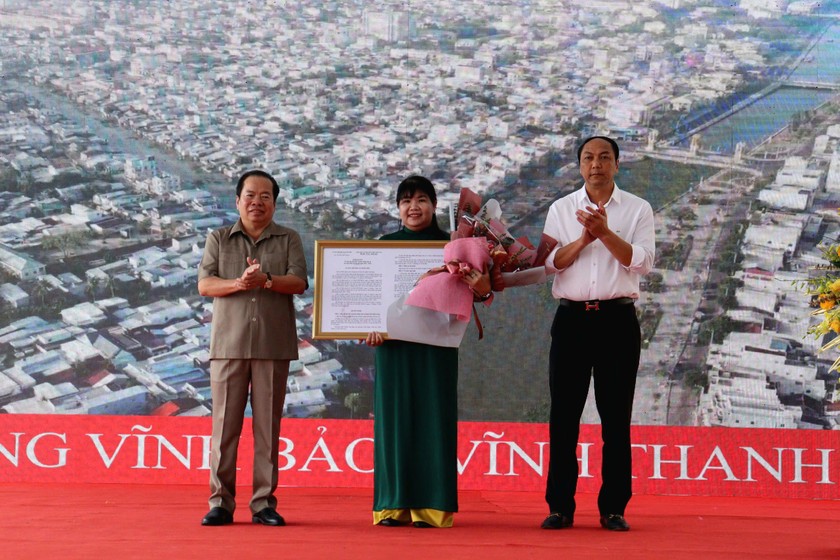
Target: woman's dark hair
(413,184)
(611,142)
(257,173)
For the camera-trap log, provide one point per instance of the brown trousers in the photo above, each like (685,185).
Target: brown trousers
(230,381)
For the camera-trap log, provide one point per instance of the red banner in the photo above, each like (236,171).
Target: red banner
(492,456)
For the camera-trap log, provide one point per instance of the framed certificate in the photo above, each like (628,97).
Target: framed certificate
(356,281)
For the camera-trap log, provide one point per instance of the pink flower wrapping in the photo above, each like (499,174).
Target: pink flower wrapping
(445,291)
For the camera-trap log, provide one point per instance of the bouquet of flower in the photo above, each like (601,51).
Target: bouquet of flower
(437,310)
(510,255)
(439,307)
(825,297)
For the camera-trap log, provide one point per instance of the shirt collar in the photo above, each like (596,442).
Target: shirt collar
(271,230)
(583,198)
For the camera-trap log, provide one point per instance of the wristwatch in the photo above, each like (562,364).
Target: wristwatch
(267,284)
(479,297)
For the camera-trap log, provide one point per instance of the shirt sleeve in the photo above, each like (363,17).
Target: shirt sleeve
(209,265)
(643,242)
(296,261)
(552,229)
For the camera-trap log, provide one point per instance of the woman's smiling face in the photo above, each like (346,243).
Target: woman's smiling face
(417,211)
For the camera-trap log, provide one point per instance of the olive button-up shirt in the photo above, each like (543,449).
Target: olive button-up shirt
(260,323)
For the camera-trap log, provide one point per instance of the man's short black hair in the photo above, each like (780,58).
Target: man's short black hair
(258,173)
(612,142)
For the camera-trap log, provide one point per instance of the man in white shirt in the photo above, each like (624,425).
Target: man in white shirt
(605,243)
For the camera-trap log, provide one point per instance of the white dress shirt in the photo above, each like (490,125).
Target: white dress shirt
(596,273)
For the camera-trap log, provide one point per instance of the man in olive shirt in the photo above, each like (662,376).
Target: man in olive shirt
(250,269)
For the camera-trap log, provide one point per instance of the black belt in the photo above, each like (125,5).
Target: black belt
(595,304)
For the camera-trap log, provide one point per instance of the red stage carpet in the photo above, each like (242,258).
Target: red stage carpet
(145,521)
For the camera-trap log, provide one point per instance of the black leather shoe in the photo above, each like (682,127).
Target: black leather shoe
(267,516)
(217,516)
(391,522)
(614,522)
(422,525)
(557,521)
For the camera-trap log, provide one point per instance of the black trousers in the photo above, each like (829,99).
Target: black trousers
(604,345)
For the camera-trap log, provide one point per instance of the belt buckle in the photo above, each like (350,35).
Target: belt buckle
(592,305)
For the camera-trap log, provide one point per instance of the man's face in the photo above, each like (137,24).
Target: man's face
(256,202)
(598,165)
